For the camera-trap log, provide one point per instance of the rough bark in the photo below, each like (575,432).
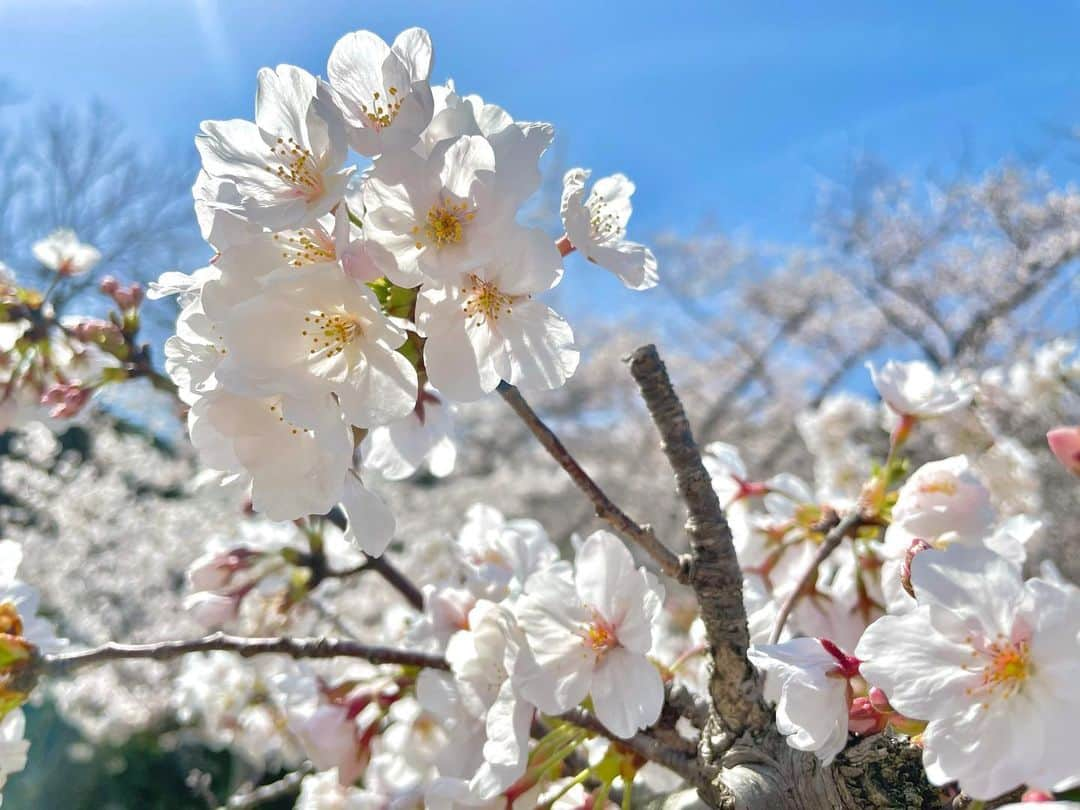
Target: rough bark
(747,763)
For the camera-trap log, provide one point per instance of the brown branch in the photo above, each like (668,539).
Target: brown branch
(688,705)
(384,568)
(670,563)
(288,785)
(63,663)
(641,744)
(715,573)
(848,523)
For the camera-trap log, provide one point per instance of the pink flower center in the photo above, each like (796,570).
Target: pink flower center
(1005,667)
(600,635)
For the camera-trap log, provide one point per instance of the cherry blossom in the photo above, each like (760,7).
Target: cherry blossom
(500,555)
(329,336)
(596,226)
(423,437)
(588,636)
(914,390)
(485,325)
(807,678)
(382,90)
(990,662)
(62,252)
(19,604)
(286,167)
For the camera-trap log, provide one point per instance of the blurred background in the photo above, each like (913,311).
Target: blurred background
(824,184)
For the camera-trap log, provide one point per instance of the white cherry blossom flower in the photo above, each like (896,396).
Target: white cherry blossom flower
(437,216)
(591,636)
(423,437)
(324,791)
(286,167)
(596,226)
(500,555)
(382,90)
(62,252)
(482,659)
(296,468)
(807,678)
(916,390)
(991,662)
(944,499)
(485,326)
(326,335)
(517,145)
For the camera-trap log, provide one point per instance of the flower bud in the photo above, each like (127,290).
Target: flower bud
(109,285)
(67,399)
(1065,444)
(917,545)
(864,719)
(211,572)
(212,610)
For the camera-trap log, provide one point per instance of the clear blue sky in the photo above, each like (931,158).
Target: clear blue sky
(719,110)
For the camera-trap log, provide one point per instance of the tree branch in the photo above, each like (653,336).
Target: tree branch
(715,573)
(63,663)
(606,510)
(837,533)
(384,568)
(641,744)
(288,785)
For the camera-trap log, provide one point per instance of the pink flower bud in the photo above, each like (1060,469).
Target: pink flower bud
(67,399)
(1065,444)
(212,610)
(211,572)
(917,546)
(864,719)
(109,285)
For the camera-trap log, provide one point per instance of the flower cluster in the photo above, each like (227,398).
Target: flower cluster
(921,622)
(52,365)
(527,637)
(344,304)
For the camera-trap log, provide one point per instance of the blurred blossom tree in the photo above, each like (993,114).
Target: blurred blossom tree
(76,168)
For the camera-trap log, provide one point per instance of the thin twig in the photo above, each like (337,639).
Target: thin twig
(641,744)
(847,524)
(606,509)
(715,573)
(384,568)
(62,663)
(286,786)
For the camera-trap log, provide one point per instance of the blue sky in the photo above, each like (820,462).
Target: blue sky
(723,112)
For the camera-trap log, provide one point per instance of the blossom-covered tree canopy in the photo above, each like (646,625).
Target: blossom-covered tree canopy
(861,630)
